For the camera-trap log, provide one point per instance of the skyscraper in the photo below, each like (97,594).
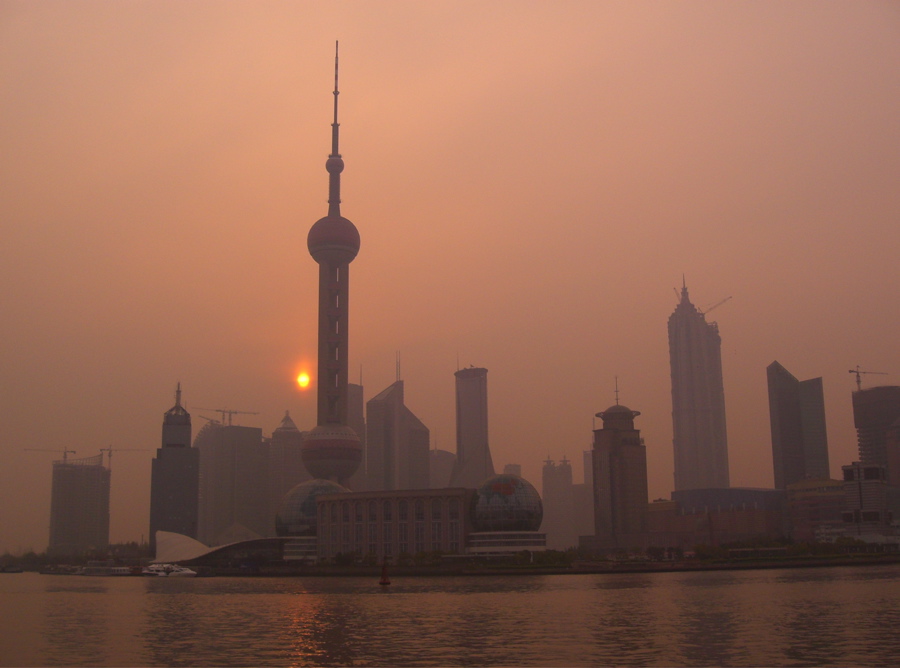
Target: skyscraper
(558,495)
(473,455)
(286,467)
(397,443)
(698,399)
(332,449)
(797,418)
(79,506)
(620,479)
(175,477)
(875,409)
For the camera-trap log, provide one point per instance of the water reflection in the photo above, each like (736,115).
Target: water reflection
(75,622)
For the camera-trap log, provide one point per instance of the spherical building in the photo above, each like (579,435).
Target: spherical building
(297,515)
(506,502)
(332,451)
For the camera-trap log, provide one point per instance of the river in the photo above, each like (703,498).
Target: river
(842,616)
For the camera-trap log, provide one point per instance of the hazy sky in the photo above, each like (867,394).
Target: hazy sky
(529,179)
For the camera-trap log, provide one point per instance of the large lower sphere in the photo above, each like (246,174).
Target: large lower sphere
(297,514)
(507,502)
(332,451)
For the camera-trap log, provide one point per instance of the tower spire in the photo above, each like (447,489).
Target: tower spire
(178,395)
(335,164)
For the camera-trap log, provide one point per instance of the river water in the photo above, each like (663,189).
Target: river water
(795,617)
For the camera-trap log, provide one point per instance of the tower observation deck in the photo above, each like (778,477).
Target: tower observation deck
(332,450)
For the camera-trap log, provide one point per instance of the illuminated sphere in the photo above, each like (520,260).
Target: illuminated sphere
(333,239)
(332,451)
(507,502)
(297,515)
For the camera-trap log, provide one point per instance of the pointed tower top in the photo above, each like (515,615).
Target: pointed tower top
(178,395)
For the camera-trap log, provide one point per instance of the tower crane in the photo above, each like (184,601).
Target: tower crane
(65,452)
(110,449)
(859,373)
(716,305)
(226,411)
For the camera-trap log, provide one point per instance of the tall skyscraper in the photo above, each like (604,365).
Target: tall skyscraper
(286,467)
(698,399)
(332,450)
(175,477)
(473,455)
(356,420)
(397,443)
(235,500)
(797,418)
(620,478)
(875,409)
(79,506)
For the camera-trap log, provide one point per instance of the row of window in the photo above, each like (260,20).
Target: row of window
(339,538)
(370,509)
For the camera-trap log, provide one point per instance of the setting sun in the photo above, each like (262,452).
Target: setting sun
(303,379)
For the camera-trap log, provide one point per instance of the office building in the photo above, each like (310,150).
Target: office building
(441,463)
(871,503)
(356,420)
(175,477)
(79,506)
(397,443)
(286,467)
(473,454)
(875,410)
(698,399)
(797,419)
(558,495)
(620,479)
(332,450)
(235,497)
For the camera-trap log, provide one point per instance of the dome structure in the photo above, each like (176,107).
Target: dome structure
(618,417)
(506,502)
(332,451)
(333,239)
(297,515)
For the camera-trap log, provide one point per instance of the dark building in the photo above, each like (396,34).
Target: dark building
(397,443)
(332,450)
(235,498)
(871,503)
(440,468)
(79,506)
(875,410)
(175,477)
(559,504)
(286,467)
(620,479)
(356,420)
(474,464)
(797,418)
(698,399)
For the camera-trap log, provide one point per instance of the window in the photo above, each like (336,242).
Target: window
(373,511)
(387,511)
(435,536)
(436,509)
(358,508)
(420,510)
(453,509)
(334,513)
(403,511)
(345,512)
(359,537)
(403,532)
(373,533)
(420,536)
(386,532)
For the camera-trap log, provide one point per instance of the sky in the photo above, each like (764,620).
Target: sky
(530,181)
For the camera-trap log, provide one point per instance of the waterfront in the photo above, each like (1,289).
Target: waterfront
(799,617)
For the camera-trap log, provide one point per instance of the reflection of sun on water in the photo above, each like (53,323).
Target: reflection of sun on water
(303,379)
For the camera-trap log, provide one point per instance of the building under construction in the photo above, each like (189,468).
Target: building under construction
(79,506)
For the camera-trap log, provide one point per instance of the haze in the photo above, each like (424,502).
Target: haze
(530,180)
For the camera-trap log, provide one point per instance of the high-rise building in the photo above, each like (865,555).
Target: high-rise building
(698,399)
(620,479)
(235,501)
(79,506)
(558,494)
(286,467)
(473,455)
(356,420)
(875,409)
(797,418)
(440,468)
(175,477)
(397,443)
(332,450)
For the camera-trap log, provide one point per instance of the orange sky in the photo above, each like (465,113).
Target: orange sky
(529,179)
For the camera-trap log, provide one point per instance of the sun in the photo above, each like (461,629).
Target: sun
(303,380)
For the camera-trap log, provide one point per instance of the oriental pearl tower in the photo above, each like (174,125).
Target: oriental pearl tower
(332,450)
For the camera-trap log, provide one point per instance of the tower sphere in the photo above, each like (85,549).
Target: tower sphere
(331,451)
(334,165)
(333,239)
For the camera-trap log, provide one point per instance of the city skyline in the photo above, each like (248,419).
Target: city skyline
(159,200)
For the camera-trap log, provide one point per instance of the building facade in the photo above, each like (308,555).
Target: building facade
(175,477)
(875,410)
(79,506)
(698,399)
(474,464)
(286,467)
(797,420)
(558,495)
(620,479)
(397,443)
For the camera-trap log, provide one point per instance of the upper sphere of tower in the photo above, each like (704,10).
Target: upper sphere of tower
(334,164)
(333,239)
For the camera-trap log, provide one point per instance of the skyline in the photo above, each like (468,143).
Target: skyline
(530,182)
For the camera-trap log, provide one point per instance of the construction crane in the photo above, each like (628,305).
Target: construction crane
(111,448)
(716,305)
(226,411)
(859,373)
(65,452)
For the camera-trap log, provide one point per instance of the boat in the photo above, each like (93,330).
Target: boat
(104,568)
(168,571)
